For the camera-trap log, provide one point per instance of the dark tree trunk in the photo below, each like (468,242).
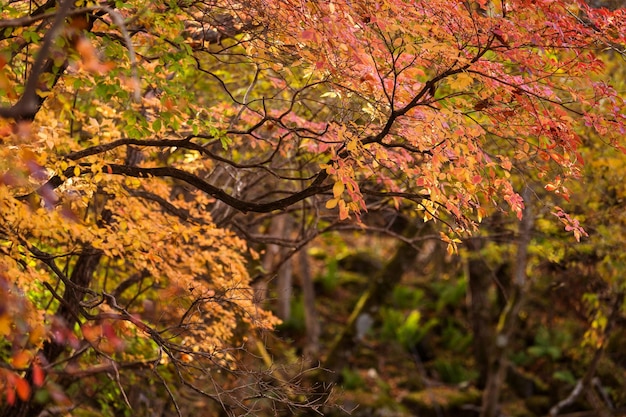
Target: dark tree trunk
(480,310)
(507,323)
(310,314)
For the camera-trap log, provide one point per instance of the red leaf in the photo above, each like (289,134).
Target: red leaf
(38,375)
(10,395)
(307,35)
(10,378)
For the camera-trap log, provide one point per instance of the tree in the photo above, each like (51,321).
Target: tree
(147,146)
(588,271)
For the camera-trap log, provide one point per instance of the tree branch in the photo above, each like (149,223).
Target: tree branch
(27,107)
(316,187)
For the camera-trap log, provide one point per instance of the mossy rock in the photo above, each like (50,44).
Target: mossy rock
(447,400)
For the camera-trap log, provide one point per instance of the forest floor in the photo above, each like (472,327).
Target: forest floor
(415,356)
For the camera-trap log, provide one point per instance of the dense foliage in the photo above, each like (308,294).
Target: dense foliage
(154,156)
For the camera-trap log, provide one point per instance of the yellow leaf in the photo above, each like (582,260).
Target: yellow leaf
(338,189)
(332,203)
(462,81)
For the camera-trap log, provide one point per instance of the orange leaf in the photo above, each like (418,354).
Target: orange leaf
(23,389)
(5,325)
(20,359)
(36,334)
(91,333)
(343,210)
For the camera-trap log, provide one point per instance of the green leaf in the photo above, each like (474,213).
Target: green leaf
(565,376)
(156,125)
(226,142)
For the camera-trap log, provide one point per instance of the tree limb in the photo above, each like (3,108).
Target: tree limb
(316,187)
(27,107)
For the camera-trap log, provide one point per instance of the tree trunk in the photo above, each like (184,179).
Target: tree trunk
(479,282)
(508,318)
(274,255)
(284,290)
(311,349)
(270,259)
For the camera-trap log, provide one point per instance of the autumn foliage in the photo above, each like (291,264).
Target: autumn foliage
(145,145)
